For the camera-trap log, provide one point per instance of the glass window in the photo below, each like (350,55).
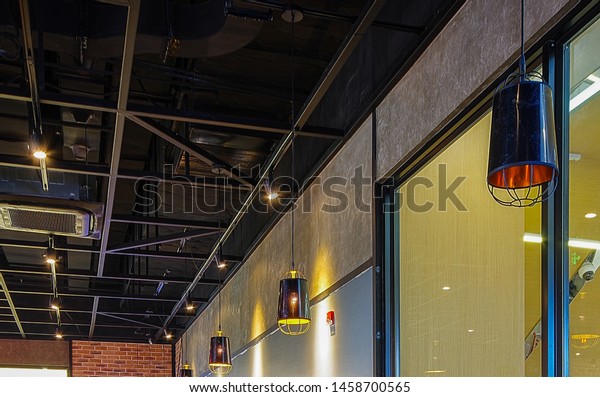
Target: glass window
(584,206)
(469,268)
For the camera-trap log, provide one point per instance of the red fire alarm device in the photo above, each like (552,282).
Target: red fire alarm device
(330,318)
(331,322)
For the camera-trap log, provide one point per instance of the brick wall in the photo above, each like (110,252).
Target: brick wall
(120,359)
(178,358)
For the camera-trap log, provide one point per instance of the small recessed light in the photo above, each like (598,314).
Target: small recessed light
(470,331)
(446,288)
(578,354)
(591,215)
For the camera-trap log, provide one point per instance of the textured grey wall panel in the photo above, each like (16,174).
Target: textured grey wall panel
(476,46)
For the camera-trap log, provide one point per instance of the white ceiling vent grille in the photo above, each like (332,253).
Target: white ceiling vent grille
(48,218)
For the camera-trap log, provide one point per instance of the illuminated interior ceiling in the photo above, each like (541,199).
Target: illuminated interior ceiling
(174,84)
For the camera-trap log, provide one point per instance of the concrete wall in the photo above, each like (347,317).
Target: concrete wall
(317,353)
(329,246)
(473,50)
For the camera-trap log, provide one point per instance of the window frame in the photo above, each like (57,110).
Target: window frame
(552,51)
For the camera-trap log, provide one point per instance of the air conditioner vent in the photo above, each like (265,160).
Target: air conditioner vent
(19,218)
(50,216)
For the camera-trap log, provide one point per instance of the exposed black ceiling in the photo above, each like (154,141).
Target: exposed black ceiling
(142,129)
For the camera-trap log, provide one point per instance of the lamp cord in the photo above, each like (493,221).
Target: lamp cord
(522,64)
(293,132)
(219,296)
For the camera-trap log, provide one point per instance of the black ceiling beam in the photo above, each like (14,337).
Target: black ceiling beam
(336,17)
(189,234)
(172,255)
(139,323)
(44,245)
(143,314)
(69,324)
(58,123)
(194,150)
(22,290)
(24,269)
(93,250)
(202,182)
(81,102)
(101,170)
(195,117)
(167,222)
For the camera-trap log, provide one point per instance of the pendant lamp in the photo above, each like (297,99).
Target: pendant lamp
(186,371)
(522,164)
(219,359)
(293,311)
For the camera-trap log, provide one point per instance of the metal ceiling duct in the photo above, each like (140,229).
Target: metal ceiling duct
(200,30)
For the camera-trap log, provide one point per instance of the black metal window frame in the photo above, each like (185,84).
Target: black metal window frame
(552,52)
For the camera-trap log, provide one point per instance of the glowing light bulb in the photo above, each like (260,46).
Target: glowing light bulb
(39,154)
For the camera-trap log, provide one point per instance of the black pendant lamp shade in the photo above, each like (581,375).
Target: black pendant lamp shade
(522,167)
(219,360)
(293,314)
(186,371)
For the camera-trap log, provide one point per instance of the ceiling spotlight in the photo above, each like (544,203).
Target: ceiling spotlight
(59,333)
(272,196)
(591,215)
(470,331)
(168,335)
(50,256)
(39,154)
(446,288)
(221,264)
(36,145)
(55,303)
(189,304)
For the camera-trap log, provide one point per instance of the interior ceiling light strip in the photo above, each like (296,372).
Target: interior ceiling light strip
(573,242)
(586,94)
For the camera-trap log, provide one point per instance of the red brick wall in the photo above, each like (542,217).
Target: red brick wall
(178,358)
(120,359)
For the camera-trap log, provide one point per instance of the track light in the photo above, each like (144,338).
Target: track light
(39,154)
(55,303)
(36,146)
(59,333)
(189,304)
(50,256)
(220,261)
(168,335)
